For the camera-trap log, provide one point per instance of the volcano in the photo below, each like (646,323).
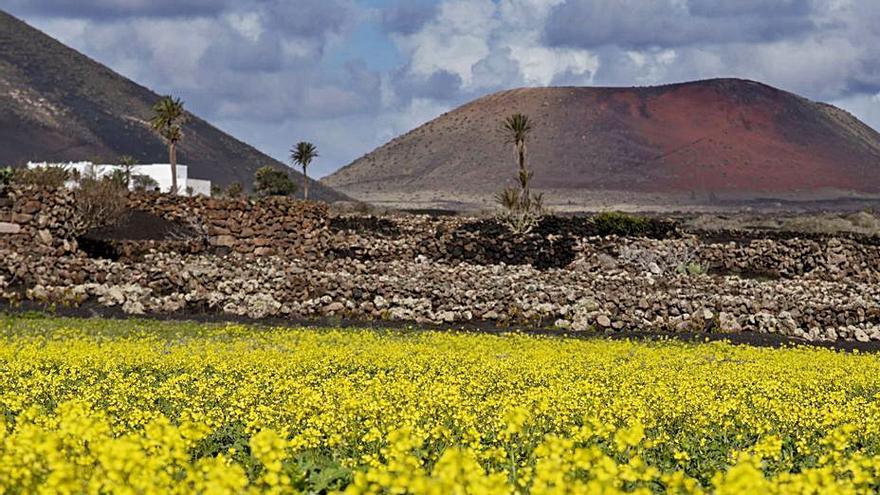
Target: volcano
(695,141)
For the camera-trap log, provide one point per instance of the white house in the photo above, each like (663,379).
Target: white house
(160,172)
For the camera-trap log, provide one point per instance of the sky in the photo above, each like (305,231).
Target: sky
(349,75)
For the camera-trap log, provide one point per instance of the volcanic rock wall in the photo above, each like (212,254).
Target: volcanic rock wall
(37,219)
(283,258)
(263,227)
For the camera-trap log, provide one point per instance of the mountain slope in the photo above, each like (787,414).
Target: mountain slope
(729,137)
(57,105)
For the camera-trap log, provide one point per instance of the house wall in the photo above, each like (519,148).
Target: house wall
(161,173)
(199,186)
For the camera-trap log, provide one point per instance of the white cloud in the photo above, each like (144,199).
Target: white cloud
(248,24)
(174,48)
(493,45)
(454,41)
(540,65)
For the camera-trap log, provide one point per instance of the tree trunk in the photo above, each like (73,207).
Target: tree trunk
(521,155)
(305,184)
(172,157)
(524,178)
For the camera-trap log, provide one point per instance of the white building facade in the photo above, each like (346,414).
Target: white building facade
(159,172)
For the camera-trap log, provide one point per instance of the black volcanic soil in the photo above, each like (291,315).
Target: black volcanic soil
(137,225)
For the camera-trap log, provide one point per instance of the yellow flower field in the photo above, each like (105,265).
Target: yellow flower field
(103,406)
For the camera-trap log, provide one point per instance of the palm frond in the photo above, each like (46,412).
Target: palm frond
(517,128)
(168,117)
(172,134)
(303,153)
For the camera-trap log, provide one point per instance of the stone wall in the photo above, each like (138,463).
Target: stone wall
(285,258)
(829,258)
(36,219)
(577,298)
(552,244)
(262,227)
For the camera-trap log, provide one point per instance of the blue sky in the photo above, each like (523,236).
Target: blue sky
(351,74)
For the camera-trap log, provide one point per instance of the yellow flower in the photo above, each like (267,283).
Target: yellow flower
(630,436)
(148,407)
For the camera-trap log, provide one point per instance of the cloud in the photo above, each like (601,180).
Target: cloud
(492,45)
(499,65)
(109,9)
(408,16)
(673,23)
(255,59)
(305,18)
(726,8)
(455,40)
(440,85)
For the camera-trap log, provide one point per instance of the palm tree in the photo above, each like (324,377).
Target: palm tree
(303,154)
(517,128)
(521,210)
(167,121)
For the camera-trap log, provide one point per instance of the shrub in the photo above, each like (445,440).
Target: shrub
(6,175)
(234,190)
(98,203)
(143,183)
(621,224)
(50,177)
(521,211)
(119,177)
(269,181)
(128,164)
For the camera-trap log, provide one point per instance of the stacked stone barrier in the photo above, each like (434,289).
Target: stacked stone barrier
(278,257)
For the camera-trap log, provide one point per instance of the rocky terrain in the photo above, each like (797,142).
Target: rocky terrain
(695,145)
(284,258)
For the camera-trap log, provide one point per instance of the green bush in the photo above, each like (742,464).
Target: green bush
(621,224)
(50,177)
(6,175)
(234,190)
(119,177)
(269,181)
